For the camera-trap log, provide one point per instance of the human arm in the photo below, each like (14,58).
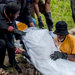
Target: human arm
(18,34)
(48,15)
(37,11)
(47,6)
(71,57)
(56,55)
(27,15)
(6,36)
(73,9)
(36,7)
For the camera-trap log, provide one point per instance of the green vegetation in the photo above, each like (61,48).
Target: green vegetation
(61,10)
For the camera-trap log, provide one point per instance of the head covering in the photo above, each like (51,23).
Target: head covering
(61,28)
(12,7)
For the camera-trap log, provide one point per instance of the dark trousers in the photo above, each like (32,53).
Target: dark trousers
(2,51)
(11,53)
(73,9)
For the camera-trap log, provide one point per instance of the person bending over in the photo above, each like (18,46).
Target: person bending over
(8,30)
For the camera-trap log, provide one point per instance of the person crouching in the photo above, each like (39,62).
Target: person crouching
(64,42)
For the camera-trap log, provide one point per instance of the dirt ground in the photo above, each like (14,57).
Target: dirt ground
(27,69)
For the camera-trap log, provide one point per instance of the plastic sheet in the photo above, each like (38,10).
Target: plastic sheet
(40,45)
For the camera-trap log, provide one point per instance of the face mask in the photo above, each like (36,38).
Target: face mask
(60,40)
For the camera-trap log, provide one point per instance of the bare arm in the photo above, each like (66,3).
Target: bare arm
(36,8)
(71,57)
(47,6)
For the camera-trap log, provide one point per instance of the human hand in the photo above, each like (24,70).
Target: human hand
(56,55)
(10,28)
(18,34)
(40,22)
(31,24)
(18,51)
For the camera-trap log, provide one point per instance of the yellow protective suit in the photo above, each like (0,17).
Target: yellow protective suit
(68,45)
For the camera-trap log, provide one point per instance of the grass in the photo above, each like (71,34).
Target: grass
(60,10)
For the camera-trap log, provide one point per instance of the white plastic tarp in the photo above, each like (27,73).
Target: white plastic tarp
(40,45)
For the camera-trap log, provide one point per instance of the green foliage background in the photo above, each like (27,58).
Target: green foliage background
(60,10)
